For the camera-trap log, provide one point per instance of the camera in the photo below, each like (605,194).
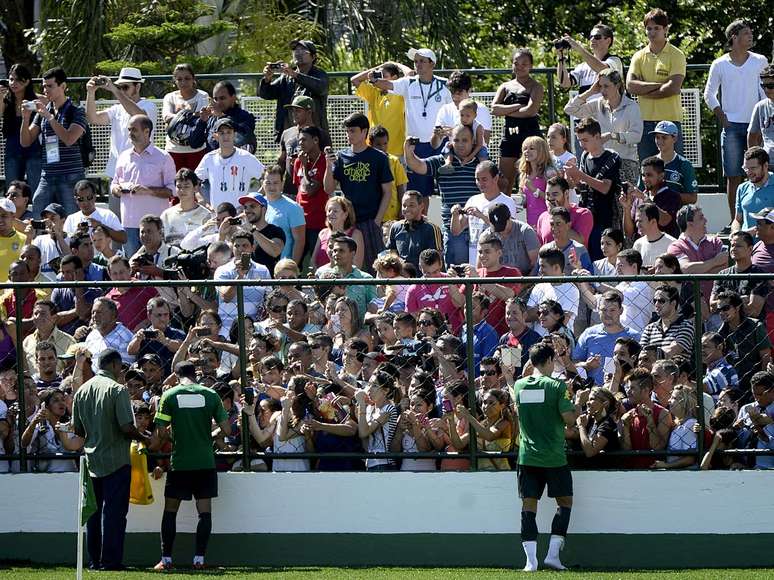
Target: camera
(144,260)
(193,264)
(100,81)
(377,75)
(204,332)
(459,269)
(29,105)
(561,44)
(38,224)
(235,221)
(275,66)
(150,333)
(413,140)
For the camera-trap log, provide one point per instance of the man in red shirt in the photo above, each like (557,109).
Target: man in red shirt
(490,255)
(646,425)
(581,220)
(308,174)
(20,272)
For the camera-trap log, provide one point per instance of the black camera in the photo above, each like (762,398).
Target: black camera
(275,66)
(377,75)
(561,44)
(413,141)
(459,269)
(193,264)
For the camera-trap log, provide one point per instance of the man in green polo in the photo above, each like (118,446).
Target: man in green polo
(544,408)
(185,414)
(102,414)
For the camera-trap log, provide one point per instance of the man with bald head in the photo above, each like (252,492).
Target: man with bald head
(144,180)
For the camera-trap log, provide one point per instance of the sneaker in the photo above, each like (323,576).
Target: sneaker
(162,566)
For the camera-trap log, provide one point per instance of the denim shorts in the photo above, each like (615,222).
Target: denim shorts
(733,142)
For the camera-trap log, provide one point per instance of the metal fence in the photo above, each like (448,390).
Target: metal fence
(342,105)
(474,453)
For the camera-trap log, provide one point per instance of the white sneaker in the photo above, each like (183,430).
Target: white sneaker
(552,558)
(554,564)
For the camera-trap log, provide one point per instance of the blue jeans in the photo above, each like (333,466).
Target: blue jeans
(106,528)
(647,146)
(56,189)
(26,169)
(733,143)
(455,248)
(422,183)
(132,243)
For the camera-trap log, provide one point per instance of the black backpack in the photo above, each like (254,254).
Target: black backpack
(88,152)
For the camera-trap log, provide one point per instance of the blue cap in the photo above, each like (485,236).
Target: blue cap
(255,197)
(666,128)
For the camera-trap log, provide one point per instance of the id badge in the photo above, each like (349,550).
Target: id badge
(52,149)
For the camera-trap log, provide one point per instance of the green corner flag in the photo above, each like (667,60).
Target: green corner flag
(88,499)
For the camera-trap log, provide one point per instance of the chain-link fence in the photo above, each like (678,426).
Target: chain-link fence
(309,382)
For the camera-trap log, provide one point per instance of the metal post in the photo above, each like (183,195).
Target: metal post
(698,324)
(551,97)
(21,419)
(472,440)
(244,430)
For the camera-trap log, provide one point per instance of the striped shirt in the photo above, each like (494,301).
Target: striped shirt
(380,440)
(100,408)
(680,331)
(70,160)
(455,188)
(720,375)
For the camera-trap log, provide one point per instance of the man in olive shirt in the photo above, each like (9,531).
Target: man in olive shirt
(544,408)
(186,413)
(102,413)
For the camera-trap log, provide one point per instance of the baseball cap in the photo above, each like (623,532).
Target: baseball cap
(224,122)
(7,205)
(307,44)
(426,52)
(151,357)
(666,128)
(301,102)
(253,197)
(128,75)
(55,208)
(499,214)
(766,213)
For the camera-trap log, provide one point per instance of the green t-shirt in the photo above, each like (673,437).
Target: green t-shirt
(540,402)
(190,410)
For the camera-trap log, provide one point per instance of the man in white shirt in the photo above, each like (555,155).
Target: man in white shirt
(736,75)
(653,242)
(106,331)
(460,85)
(228,169)
(88,212)
(126,89)
(424,95)
(551,263)
(475,215)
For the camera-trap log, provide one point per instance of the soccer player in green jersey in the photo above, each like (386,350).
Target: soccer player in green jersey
(544,408)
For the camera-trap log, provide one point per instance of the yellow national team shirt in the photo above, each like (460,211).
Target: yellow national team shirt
(10,249)
(657,68)
(388,111)
(399,178)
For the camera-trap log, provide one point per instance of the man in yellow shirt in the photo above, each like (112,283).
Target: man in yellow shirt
(656,75)
(384,108)
(11,241)
(379,138)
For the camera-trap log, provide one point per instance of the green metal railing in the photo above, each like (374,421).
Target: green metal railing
(473,453)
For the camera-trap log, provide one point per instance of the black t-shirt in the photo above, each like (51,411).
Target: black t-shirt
(361,176)
(608,429)
(605,206)
(272,232)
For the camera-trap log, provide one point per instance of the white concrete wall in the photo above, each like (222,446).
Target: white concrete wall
(605,502)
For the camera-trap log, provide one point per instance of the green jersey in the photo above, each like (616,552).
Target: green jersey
(540,402)
(190,410)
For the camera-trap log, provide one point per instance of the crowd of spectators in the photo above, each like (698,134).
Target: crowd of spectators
(383,367)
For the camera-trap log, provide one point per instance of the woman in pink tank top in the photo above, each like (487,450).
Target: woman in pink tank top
(339,217)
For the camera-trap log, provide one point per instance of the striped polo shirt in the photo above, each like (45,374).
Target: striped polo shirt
(69,155)
(456,187)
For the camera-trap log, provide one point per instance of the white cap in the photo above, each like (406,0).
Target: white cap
(129,74)
(7,205)
(426,52)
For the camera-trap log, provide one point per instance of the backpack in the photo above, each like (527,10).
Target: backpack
(86,143)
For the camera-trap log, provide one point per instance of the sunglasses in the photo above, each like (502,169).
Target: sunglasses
(725,308)
(82,199)
(660,301)
(278,309)
(426,323)
(315,346)
(14,195)
(596,37)
(766,86)
(488,373)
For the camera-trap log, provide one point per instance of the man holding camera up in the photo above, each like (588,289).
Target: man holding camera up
(185,415)
(159,338)
(596,60)
(305,79)
(384,108)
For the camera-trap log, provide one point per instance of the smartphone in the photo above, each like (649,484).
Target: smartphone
(235,221)
(506,357)
(249,395)
(573,255)
(625,186)
(38,224)
(244,261)
(29,105)
(413,140)
(447,406)
(203,332)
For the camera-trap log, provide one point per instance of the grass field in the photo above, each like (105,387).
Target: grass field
(311,573)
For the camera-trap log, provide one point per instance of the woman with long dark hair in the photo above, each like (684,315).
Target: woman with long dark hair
(21,163)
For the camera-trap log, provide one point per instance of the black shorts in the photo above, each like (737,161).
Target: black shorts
(533,480)
(510,144)
(197,483)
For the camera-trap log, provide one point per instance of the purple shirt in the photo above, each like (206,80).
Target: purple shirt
(151,168)
(763,257)
(686,251)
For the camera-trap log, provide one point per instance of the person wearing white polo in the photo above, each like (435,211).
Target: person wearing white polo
(228,169)
(126,90)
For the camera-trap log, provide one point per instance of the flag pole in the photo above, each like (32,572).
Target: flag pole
(79,528)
